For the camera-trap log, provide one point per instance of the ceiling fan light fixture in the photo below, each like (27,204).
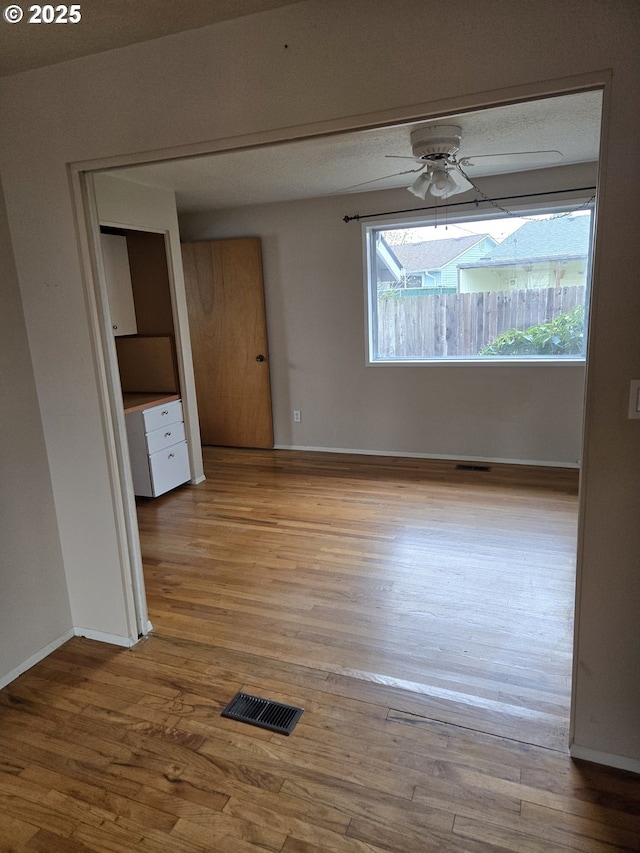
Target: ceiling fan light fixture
(420,187)
(441,183)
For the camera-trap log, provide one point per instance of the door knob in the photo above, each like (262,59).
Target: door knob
(259,358)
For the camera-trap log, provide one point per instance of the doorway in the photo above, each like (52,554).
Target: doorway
(288,400)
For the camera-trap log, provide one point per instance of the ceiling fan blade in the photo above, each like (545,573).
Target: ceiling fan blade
(525,157)
(385,177)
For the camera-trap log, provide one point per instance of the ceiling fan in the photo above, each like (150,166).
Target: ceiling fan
(442,173)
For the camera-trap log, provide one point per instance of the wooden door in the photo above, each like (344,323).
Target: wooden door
(225,300)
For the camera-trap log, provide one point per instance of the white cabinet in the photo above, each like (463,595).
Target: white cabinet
(119,288)
(157,448)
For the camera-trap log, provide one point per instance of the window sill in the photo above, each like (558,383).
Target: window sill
(479,362)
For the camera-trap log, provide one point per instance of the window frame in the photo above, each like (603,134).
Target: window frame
(575,203)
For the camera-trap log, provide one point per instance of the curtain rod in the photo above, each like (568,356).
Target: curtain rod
(475,201)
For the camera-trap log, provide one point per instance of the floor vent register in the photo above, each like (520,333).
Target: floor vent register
(263,712)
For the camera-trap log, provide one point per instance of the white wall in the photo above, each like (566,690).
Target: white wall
(34,603)
(315,307)
(346,65)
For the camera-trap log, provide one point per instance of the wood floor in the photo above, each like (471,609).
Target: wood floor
(420,615)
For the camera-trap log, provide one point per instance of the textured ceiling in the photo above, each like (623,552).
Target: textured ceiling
(338,164)
(107,24)
(309,168)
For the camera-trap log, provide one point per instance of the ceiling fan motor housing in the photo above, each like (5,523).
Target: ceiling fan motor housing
(438,142)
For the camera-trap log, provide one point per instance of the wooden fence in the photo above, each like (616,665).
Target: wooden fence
(461,324)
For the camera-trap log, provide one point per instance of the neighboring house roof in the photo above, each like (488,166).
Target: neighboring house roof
(562,238)
(435,254)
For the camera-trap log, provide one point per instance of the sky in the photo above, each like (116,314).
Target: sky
(498,228)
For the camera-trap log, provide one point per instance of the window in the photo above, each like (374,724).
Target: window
(490,289)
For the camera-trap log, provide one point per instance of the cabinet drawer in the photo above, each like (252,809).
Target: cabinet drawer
(165,437)
(160,416)
(169,468)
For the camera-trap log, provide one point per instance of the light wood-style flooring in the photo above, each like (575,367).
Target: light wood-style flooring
(422,617)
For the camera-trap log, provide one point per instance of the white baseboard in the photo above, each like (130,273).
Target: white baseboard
(102,637)
(198,480)
(620,762)
(41,654)
(438,456)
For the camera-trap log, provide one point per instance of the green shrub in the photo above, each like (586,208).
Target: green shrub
(564,335)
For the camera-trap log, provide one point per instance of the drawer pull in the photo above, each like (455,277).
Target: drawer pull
(166,412)
(167,434)
(172,456)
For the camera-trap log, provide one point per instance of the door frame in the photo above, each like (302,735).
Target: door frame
(110,396)
(104,350)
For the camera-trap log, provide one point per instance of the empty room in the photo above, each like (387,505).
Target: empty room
(322,393)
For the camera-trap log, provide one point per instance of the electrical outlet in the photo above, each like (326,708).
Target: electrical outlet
(297,417)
